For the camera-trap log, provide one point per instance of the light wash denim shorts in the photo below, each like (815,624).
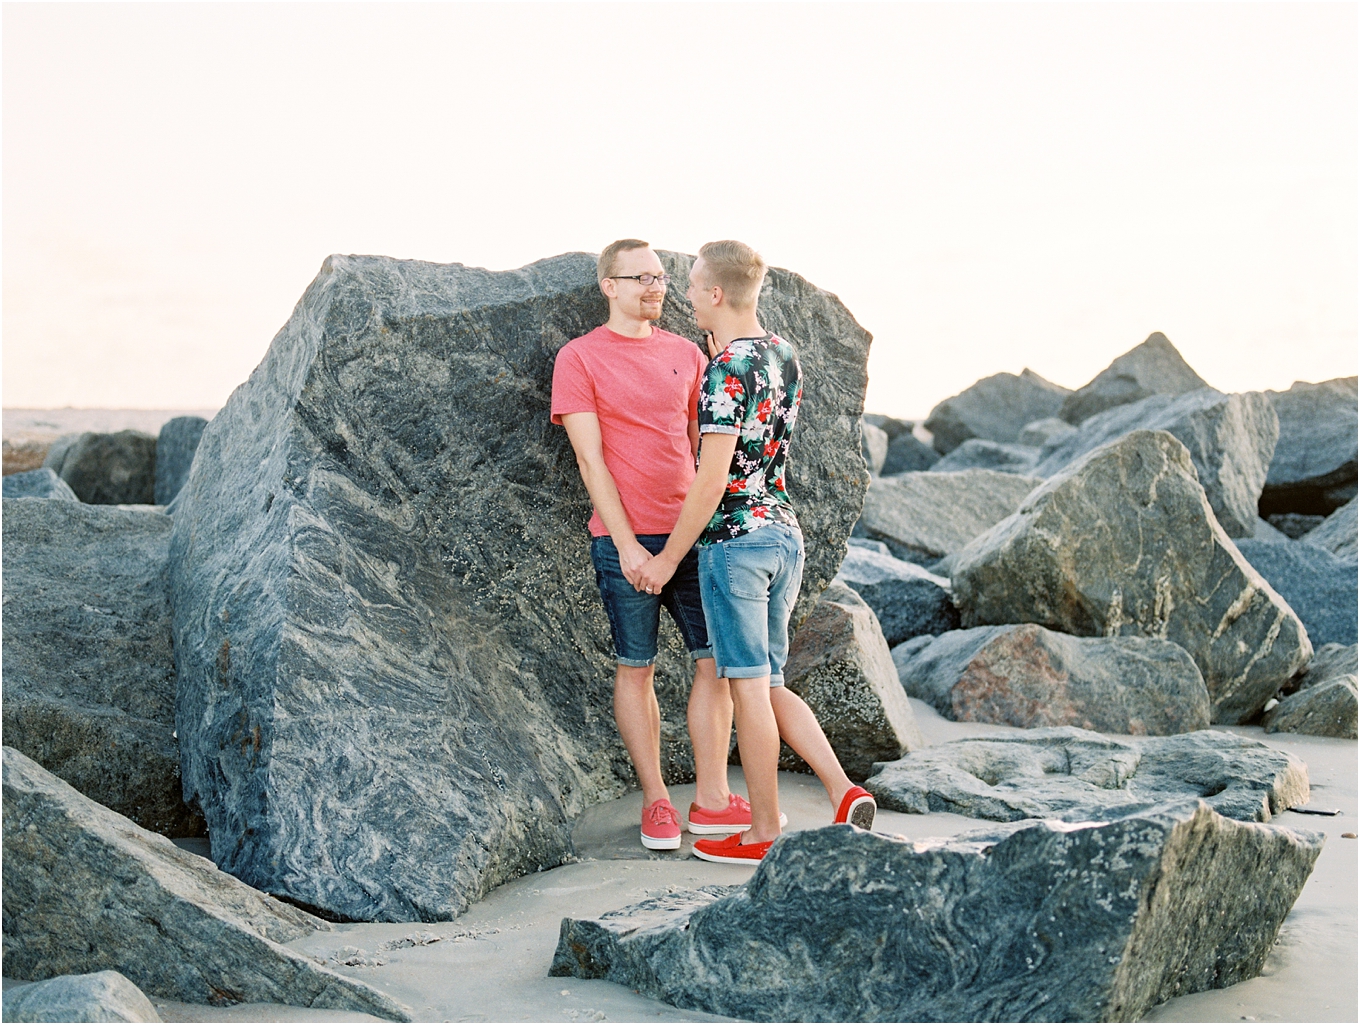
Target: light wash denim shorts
(749,585)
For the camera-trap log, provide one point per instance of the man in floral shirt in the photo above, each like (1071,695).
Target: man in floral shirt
(750,545)
(761,375)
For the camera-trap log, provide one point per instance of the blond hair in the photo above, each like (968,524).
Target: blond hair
(737,269)
(609,259)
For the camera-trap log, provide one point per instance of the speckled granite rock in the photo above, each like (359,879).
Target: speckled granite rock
(1320,588)
(840,665)
(907,454)
(1313,470)
(1076,775)
(1123,543)
(175,448)
(1325,702)
(1294,525)
(1337,533)
(1051,429)
(1035,922)
(1230,439)
(99,996)
(1153,368)
(922,517)
(1028,676)
(1327,710)
(975,453)
(89,674)
(395,673)
(87,890)
(994,409)
(107,469)
(40,483)
(907,599)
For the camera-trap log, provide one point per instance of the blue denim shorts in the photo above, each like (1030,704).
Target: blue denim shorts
(749,585)
(635,616)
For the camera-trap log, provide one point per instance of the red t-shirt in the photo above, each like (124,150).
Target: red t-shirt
(645,392)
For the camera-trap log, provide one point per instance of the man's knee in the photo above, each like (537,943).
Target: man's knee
(634,677)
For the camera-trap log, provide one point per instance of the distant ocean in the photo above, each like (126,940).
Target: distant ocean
(52,423)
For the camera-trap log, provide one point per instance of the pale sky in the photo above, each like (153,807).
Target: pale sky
(986,187)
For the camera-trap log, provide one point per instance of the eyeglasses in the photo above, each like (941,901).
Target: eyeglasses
(644,279)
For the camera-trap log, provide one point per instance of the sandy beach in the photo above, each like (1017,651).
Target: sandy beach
(491,963)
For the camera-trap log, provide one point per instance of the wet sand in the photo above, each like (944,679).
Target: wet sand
(491,964)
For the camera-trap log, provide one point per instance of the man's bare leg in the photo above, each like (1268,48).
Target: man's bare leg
(758,739)
(639,720)
(802,732)
(710,731)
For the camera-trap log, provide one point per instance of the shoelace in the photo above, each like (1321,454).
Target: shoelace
(660,813)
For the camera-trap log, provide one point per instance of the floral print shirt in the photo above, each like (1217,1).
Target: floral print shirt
(752,389)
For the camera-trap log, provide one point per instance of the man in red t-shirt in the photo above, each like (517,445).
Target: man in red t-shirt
(628,393)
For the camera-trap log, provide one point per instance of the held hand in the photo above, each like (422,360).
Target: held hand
(655,575)
(631,560)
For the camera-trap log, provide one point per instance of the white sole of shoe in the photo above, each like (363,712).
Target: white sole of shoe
(862,812)
(728,829)
(660,843)
(724,860)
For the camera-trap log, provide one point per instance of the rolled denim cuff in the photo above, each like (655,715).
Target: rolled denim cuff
(744,672)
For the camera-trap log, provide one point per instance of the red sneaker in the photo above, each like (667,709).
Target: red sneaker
(734,818)
(731,851)
(857,808)
(660,826)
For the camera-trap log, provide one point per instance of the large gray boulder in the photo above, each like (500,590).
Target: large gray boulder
(175,448)
(840,665)
(1326,710)
(1230,439)
(1325,702)
(99,996)
(89,672)
(908,600)
(1319,587)
(1153,368)
(994,409)
(923,517)
(873,446)
(1292,525)
(1028,676)
(40,483)
(1123,543)
(1337,533)
(87,890)
(1077,776)
(107,469)
(1313,470)
(1051,429)
(975,453)
(907,454)
(1031,922)
(395,672)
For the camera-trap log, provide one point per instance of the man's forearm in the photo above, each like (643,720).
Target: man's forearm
(604,495)
(710,483)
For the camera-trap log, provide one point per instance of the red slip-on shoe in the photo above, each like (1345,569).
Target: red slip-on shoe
(660,826)
(857,808)
(731,851)
(734,818)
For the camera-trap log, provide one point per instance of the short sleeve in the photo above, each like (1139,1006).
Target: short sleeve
(700,362)
(572,389)
(722,401)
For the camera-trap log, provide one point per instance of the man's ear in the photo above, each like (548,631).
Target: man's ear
(715,295)
(610,288)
